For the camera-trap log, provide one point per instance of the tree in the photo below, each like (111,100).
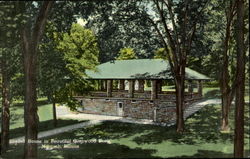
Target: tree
(80,52)
(184,18)
(51,67)
(52,70)
(31,34)
(227,91)
(64,58)
(240,82)
(8,52)
(5,106)
(126,54)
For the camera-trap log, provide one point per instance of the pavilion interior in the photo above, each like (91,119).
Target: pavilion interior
(138,89)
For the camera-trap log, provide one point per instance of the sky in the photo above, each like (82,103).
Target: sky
(81,21)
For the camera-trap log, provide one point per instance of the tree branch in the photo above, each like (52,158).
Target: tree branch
(170,60)
(169,37)
(41,21)
(25,40)
(185,37)
(169,6)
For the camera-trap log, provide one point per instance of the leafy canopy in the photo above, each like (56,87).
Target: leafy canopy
(64,59)
(126,54)
(80,50)
(160,54)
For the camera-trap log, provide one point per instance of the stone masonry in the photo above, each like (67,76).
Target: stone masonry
(157,110)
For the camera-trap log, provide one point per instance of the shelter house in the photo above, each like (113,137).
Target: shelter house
(136,101)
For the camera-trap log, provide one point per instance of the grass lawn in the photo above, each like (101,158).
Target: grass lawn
(45,118)
(201,139)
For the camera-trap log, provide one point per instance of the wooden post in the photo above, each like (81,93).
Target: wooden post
(102,85)
(141,86)
(154,89)
(121,85)
(190,87)
(159,86)
(105,84)
(131,88)
(99,85)
(109,88)
(200,87)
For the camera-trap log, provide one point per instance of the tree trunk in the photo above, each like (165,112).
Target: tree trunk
(225,111)
(226,90)
(5,109)
(179,86)
(54,112)
(240,78)
(30,39)
(30,108)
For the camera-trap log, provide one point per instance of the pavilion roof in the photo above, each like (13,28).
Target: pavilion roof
(139,69)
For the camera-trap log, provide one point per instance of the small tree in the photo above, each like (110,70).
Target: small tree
(51,67)
(80,52)
(161,54)
(126,54)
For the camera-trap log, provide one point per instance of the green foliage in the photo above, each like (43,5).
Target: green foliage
(160,54)
(65,96)
(64,59)
(10,56)
(52,70)
(119,24)
(8,24)
(206,53)
(17,86)
(126,54)
(80,50)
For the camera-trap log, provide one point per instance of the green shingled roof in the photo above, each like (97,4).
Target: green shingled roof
(139,69)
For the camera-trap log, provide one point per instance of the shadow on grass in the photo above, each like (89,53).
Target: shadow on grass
(15,118)
(200,128)
(43,126)
(212,154)
(212,94)
(114,130)
(88,150)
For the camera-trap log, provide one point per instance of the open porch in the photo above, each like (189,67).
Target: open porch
(121,90)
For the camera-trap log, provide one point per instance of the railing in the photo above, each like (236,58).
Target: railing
(144,95)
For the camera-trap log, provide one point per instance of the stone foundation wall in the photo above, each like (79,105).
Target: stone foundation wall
(156,110)
(140,109)
(165,114)
(98,106)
